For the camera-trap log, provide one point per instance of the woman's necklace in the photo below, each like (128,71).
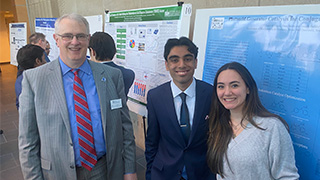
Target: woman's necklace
(235,129)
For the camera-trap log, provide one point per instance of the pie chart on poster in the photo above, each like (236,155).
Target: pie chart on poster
(132,43)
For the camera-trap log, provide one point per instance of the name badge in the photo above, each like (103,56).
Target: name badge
(116,104)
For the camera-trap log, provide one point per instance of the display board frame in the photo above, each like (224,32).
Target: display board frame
(298,103)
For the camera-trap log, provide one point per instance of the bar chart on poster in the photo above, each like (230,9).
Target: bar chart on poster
(280,46)
(140,36)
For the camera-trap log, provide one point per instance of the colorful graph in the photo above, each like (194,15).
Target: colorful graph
(139,89)
(132,43)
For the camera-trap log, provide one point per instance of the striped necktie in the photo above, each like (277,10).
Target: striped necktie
(184,118)
(88,156)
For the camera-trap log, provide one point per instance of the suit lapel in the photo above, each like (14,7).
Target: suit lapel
(101,80)
(56,82)
(171,111)
(198,110)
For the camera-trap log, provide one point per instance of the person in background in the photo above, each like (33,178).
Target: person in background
(246,141)
(48,48)
(102,49)
(73,119)
(39,39)
(177,124)
(29,56)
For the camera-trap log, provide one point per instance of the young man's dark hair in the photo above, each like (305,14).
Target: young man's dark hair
(28,55)
(183,41)
(176,141)
(102,43)
(102,49)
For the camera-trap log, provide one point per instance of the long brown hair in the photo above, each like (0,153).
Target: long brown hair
(220,130)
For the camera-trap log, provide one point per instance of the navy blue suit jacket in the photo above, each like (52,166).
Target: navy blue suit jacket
(128,76)
(166,151)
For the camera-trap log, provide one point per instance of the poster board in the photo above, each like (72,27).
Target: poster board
(95,25)
(46,27)
(140,36)
(280,46)
(18,38)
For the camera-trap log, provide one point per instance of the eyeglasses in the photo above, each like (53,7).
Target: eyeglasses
(69,37)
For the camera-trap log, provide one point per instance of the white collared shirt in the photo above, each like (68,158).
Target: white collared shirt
(190,99)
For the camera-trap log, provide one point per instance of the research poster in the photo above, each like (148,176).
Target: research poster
(46,26)
(283,54)
(140,36)
(18,38)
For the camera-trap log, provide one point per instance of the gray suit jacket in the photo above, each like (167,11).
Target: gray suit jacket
(45,143)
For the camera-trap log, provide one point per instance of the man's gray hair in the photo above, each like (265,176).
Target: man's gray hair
(73,16)
(35,37)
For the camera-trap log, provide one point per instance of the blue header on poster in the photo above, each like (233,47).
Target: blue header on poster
(282,52)
(45,22)
(17,26)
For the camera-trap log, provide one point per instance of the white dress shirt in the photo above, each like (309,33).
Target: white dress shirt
(190,99)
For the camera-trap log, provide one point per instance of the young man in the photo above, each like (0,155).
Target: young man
(177,119)
(73,118)
(28,57)
(102,49)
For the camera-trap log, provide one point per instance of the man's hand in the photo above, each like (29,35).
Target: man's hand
(130,176)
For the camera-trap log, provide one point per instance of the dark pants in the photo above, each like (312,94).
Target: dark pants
(98,172)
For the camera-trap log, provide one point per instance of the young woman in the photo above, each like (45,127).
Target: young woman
(246,141)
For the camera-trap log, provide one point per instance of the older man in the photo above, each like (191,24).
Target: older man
(39,39)
(73,118)
(48,48)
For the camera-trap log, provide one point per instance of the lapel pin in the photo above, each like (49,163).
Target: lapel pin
(103,79)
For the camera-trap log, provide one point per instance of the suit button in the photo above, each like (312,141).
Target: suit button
(72,167)
(71,144)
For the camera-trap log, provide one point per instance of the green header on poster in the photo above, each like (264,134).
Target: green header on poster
(154,14)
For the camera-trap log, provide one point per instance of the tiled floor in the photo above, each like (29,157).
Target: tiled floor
(9,158)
